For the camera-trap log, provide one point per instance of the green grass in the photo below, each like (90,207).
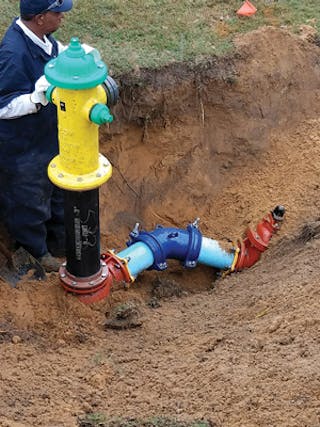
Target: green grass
(131,34)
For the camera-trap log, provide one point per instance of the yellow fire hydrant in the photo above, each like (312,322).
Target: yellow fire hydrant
(77,92)
(80,92)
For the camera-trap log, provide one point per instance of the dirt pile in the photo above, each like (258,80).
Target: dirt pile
(224,141)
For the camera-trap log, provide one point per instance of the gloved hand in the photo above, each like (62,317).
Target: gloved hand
(89,49)
(38,96)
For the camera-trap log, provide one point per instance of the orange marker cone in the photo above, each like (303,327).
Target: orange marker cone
(247,9)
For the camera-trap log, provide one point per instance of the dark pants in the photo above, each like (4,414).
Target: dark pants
(31,208)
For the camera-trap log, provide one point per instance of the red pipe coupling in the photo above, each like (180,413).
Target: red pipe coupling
(117,267)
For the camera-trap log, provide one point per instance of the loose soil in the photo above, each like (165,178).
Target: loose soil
(224,140)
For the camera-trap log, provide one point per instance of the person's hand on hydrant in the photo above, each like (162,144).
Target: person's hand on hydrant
(38,96)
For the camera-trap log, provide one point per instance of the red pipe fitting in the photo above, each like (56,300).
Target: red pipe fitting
(256,242)
(88,289)
(117,267)
(97,287)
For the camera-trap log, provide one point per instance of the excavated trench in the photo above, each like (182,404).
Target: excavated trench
(224,140)
(186,137)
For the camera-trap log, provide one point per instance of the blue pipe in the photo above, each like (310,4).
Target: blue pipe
(213,255)
(139,257)
(150,250)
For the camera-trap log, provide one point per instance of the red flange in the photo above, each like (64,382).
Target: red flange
(89,289)
(97,287)
(98,295)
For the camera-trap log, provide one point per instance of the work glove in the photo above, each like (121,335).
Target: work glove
(87,48)
(38,96)
(92,51)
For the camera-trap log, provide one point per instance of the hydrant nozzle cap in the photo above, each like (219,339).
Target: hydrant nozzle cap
(74,69)
(100,114)
(75,50)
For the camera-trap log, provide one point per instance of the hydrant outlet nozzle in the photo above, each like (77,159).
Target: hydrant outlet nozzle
(100,114)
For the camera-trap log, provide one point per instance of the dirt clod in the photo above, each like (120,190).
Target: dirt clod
(124,316)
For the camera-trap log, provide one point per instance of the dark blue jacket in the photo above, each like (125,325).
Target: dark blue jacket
(29,141)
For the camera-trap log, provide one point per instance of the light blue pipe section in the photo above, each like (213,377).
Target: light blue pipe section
(213,255)
(140,257)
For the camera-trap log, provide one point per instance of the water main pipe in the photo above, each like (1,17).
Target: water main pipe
(151,250)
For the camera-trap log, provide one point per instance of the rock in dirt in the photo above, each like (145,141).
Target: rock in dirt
(16,339)
(124,316)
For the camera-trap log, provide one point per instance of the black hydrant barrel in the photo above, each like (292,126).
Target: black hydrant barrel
(82,232)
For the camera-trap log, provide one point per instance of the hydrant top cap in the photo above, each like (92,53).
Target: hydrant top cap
(74,69)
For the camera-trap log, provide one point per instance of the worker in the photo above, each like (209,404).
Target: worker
(31,207)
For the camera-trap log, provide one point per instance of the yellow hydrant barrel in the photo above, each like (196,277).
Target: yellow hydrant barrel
(77,92)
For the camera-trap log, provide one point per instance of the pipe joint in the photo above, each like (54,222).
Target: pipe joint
(88,289)
(154,244)
(194,246)
(117,267)
(170,243)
